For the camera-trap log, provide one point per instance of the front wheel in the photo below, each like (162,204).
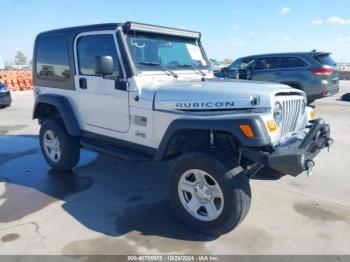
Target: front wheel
(61,151)
(207,195)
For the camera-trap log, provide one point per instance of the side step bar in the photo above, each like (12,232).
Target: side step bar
(114,151)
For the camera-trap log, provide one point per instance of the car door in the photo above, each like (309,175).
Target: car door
(292,70)
(267,69)
(246,68)
(102,103)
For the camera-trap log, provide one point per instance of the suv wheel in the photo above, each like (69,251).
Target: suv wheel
(207,195)
(60,150)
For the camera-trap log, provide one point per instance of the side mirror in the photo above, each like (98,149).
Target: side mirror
(104,65)
(223,69)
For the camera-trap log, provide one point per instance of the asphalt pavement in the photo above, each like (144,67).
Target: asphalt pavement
(106,206)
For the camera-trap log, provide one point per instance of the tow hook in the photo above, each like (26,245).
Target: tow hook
(309,166)
(329,143)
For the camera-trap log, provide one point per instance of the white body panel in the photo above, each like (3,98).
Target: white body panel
(101,106)
(163,92)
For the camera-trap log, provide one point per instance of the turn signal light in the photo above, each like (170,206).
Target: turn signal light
(271,125)
(312,115)
(247,130)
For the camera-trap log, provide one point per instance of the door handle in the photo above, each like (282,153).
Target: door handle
(278,73)
(82,83)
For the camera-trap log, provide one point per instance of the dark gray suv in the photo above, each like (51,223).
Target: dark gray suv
(313,72)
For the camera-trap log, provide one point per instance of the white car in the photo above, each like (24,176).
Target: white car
(5,96)
(146,93)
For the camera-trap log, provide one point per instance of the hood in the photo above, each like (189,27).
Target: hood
(219,94)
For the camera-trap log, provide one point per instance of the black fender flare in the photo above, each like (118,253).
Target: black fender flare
(229,124)
(64,109)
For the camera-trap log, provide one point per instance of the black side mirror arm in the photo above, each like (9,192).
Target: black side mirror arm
(121,83)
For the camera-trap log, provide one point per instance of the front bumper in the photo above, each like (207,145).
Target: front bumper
(5,99)
(296,154)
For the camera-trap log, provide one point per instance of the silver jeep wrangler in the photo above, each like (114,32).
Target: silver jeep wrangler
(147,93)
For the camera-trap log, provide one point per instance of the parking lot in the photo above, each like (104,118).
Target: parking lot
(106,206)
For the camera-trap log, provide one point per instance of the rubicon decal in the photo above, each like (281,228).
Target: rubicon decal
(218,104)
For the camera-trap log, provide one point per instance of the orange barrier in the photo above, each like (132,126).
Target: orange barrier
(17,79)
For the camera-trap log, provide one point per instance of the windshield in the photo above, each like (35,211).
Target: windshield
(172,52)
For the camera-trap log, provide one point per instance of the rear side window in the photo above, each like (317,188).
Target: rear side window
(292,62)
(267,63)
(325,60)
(91,46)
(52,62)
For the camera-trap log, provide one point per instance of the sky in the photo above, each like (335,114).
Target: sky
(230,28)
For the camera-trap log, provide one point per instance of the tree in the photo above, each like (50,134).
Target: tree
(20,58)
(227,61)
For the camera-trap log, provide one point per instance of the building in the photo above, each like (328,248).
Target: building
(343,66)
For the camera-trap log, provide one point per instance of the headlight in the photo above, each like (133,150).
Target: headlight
(278,113)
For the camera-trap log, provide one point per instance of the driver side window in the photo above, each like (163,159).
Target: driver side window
(235,65)
(247,64)
(90,46)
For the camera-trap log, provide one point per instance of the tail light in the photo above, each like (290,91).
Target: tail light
(323,71)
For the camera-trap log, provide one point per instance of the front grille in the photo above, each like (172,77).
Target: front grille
(292,111)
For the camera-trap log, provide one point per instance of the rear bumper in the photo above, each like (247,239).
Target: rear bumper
(331,91)
(295,154)
(325,93)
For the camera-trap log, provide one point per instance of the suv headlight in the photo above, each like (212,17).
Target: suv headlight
(278,113)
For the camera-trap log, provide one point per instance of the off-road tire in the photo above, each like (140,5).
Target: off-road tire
(69,145)
(234,185)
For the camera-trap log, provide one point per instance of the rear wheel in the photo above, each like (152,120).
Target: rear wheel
(207,195)
(60,150)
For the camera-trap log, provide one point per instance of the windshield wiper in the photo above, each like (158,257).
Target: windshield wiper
(165,69)
(195,68)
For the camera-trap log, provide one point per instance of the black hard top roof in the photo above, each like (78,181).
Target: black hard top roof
(71,32)
(85,28)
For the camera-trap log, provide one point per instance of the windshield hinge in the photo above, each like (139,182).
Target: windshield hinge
(122,83)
